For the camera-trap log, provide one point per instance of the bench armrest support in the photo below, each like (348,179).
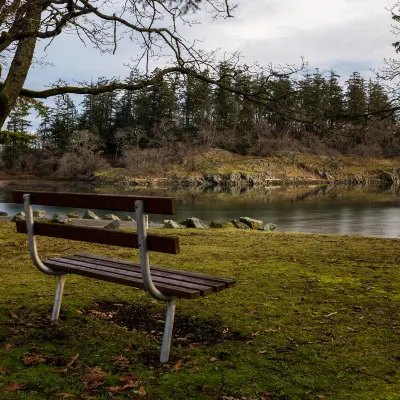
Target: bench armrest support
(144,254)
(32,240)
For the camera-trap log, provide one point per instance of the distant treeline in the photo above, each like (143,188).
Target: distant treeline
(314,113)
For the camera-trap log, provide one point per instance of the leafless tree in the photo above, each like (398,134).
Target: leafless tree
(154,26)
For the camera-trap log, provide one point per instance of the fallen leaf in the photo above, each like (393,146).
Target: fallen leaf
(8,346)
(271,330)
(33,359)
(73,360)
(205,388)
(178,366)
(320,396)
(61,371)
(13,315)
(114,388)
(130,381)
(121,361)
(14,387)
(141,391)
(94,378)
(255,333)
(213,359)
(262,351)
(64,395)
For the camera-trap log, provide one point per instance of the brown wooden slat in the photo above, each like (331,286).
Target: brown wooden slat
(163,244)
(121,279)
(228,281)
(152,204)
(204,290)
(160,272)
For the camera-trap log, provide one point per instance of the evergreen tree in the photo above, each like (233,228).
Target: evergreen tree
(356,98)
(18,119)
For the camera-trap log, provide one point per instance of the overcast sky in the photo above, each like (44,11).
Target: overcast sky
(346,35)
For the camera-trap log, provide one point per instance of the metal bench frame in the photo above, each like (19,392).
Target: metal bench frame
(144,266)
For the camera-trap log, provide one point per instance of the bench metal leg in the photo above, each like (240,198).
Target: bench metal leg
(58,298)
(169,324)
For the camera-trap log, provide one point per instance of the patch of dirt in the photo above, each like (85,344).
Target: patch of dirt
(187,332)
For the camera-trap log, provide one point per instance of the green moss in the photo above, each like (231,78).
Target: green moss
(319,314)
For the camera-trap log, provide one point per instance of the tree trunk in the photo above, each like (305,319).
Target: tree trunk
(21,63)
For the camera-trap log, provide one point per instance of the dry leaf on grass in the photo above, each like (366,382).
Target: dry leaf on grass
(8,346)
(14,387)
(121,361)
(130,381)
(141,391)
(13,315)
(178,366)
(34,359)
(94,378)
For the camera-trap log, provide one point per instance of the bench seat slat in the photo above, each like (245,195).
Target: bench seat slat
(155,272)
(121,279)
(204,290)
(227,281)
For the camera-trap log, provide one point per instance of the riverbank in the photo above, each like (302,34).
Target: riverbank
(311,317)
(214,167)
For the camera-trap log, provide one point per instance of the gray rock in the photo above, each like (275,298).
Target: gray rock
(193,222)
(221,224)
(90,215)
(170,224)
(252,223)
(60,218)
(239,225)
(39,214)
(128,218)
(3,214)
(19,217)
(73,215)
(114,226)
(111,217)
(267,227)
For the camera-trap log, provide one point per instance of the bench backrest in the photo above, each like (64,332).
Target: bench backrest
(153,205)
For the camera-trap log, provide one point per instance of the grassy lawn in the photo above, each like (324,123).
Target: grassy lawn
(311,317)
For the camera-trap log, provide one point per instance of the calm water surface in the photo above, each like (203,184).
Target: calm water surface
(334,209)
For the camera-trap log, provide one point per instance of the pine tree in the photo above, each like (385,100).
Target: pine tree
(18,119)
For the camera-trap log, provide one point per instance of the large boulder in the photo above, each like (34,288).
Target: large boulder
(113,226)
(3,214)
(221,224)
(39,214)
(60,218)
(19,217)
(90,215)
(128,218)
(111,217)
(239,225)
(250,222)
(170,224)
(267,227)
(73,215)
(193,222)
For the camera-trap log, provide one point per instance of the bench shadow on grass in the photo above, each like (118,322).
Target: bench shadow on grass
(188,332)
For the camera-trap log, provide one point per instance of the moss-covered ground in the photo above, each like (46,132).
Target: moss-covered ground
(314,316)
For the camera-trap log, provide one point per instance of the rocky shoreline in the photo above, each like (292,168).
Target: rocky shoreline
(113,222)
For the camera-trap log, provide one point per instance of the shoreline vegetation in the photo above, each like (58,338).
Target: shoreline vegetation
(311,317)
(216,167)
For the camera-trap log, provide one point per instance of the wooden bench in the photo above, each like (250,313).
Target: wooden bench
(163,284)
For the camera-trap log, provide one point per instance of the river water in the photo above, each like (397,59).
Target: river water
(367,211)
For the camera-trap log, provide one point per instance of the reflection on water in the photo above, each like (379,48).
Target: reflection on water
(341,210)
